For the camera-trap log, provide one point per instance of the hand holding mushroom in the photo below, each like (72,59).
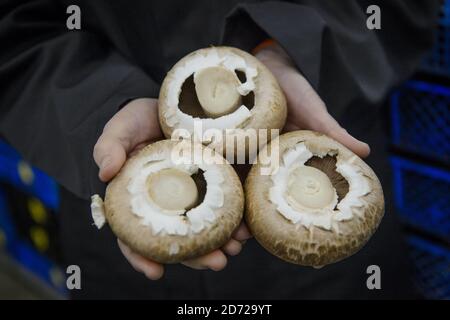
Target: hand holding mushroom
(133,127)
(321,205)
(306,110)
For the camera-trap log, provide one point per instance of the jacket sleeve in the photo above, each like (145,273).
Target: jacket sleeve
(349,65)
(58,88)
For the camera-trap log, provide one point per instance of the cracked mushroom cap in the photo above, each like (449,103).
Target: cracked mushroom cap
(311,201)
(220,88)
(173,201)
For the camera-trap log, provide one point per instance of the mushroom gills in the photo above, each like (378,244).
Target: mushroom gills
(216,89)
(314,184)
(327,165)
(98,211)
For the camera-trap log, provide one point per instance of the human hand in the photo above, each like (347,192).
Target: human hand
(306,110)
(215,260)
(129,130)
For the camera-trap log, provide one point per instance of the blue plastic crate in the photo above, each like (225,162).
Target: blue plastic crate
(437,61)
(420,117)
(20,174)
(431,265)
(8,233)
(39,265)
(422,196)
(445,12)
(21,251)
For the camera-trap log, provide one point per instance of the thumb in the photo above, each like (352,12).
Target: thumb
(109,154)
(135,124)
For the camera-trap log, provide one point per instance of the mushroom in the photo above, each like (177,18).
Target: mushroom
(221,88)
(172,201)
(317,203)
(216,89)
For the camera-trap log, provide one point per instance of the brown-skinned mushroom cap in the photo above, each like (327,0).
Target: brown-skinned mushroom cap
(187,223)
(321,205)
(224,88)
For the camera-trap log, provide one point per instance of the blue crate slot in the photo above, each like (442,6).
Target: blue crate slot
(437,61)
(7,151)
(15,171)
(420,117)
(431,265)
(39,265)
(445,13)
(8,234)
(422,196)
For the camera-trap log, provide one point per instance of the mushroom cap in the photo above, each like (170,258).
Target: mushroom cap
(313,246)
(269,110)
(159,247)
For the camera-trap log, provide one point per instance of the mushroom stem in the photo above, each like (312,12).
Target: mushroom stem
(216,89)
(172,189)
(309,187)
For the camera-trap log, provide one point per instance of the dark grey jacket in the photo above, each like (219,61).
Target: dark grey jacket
(58,88)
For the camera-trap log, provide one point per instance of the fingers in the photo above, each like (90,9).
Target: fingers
(110,155)
(134,124)
(215,261)
(307,110)
(232,247)
(326,124)
(335,131)
(341,135)
(242,233)
(289,126)
(151,269)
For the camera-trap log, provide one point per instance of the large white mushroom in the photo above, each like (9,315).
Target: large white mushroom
(315,203)
(221,88)
(172,201)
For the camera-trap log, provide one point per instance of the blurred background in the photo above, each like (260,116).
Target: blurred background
(419,130)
